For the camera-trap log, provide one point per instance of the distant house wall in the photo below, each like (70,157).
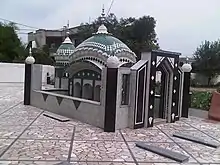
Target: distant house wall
(14,73)
(203,80)
(53,37)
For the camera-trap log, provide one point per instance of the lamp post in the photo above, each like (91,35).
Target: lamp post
(186,89)
(27,79)
(111,93)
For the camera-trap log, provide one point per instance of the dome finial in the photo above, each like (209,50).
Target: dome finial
(67,33)
(102,29)
(67,40)
(103,14)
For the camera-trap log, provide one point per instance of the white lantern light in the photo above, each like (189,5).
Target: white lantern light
(113,62)
(186,68)
(30,60)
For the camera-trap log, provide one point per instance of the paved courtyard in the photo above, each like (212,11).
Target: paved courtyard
(27,137)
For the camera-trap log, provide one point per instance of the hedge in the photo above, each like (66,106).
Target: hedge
(201,100)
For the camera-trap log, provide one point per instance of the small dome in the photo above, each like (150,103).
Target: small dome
(66,48)
(101,46)
(64,51)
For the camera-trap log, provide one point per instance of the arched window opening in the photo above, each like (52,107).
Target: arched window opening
(87,92)
(77,90)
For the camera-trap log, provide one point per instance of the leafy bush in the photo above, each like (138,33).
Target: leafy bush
(201,100)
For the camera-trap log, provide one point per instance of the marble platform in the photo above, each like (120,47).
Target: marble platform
(27,137)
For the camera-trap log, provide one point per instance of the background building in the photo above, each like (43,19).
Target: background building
(187,59)
(53,38)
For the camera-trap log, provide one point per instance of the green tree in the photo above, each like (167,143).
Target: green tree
(138,34)
(207,59)
(11,47)
(42,55)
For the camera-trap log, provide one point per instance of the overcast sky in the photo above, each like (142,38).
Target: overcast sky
(181,24)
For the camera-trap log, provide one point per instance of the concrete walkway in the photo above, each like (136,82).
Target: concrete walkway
(27,137)
(198,113)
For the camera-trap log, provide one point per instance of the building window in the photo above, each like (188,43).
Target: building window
(125,89)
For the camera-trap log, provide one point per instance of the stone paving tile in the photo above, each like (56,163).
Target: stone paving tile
(125,163)
(215,134)
(81,124)
(194,133)
(9,99)
(101,163)
(86,163)
(19,115)
(23,111)
(192,119)
(142,155)
(38,150)
(93,133)
(201,123)
(12,93)
(45,121)
(4,143)
(11,131)
(211,164)
(16,120)
(179,125)
(146,135)
(100,151)
(57,163)
(6,103)
(30,151)
(202,153)
(48,132)
(207,126)
(27,163)
(168,163)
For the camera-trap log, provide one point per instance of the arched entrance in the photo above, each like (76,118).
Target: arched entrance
(163,90)
(166,103)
